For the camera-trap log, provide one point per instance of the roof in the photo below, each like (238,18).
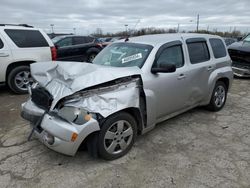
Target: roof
(163,38)
(17,25)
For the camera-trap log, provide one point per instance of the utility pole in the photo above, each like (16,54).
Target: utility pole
(198,21)
(126,27)
(178,28)
(52,28)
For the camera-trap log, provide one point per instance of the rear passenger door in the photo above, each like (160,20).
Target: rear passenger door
(81,45)
(5,58)
(201,67)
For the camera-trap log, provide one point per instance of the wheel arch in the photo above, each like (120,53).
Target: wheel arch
(225,80)
(16,64)
(92,50)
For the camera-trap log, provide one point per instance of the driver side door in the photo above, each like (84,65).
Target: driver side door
(171,89)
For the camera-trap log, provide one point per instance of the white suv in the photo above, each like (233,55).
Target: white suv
(21,45)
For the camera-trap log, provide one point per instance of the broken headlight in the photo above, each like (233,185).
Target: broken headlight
(78,116)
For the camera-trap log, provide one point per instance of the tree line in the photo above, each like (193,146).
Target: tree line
(153,30)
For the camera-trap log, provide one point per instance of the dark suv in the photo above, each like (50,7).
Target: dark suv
(76,48)
(240,55)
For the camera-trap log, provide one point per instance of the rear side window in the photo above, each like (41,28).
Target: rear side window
(198,52)
(27,38)
(89,39)
(79,40)
(1,44)
(218,48)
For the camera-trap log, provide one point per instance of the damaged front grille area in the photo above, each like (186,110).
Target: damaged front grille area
(42,98)
(238,56)
(241,65)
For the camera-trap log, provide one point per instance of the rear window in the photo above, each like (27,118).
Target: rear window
(26,38)
(1,44)
(218,48)
(198,52)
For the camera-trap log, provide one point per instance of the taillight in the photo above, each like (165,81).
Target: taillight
(53,53)
(99,45)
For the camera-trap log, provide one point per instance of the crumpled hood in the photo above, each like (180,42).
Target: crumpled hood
(62,79)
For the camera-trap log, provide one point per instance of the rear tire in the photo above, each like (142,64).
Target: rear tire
(91,57)
(116,136)
(18,78)
(219,97)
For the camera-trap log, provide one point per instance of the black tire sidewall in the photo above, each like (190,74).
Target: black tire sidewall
(106,125)
(11,79)
(212,106)
(89,56)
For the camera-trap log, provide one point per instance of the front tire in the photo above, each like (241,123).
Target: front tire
(18,78)
(219,97)
(117,136)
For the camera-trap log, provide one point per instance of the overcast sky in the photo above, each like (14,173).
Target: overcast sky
(112,15)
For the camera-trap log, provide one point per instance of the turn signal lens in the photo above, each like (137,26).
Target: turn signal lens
(87,117)
(74,137)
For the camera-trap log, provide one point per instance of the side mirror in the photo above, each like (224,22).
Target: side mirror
(164,68)
(56,46)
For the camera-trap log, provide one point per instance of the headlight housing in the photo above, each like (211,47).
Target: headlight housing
(75,115)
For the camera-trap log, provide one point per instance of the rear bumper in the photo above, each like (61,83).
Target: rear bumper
(61,131)
(241,72)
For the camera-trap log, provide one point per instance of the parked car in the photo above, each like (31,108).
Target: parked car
(77,48)
(240,55)
(230,41)
(21,45)
(129,88)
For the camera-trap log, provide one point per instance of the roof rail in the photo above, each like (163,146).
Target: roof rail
(22,25)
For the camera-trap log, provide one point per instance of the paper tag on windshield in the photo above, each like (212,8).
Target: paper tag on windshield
(132,58)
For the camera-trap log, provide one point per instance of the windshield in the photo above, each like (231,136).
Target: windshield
(123,55)
(247,38)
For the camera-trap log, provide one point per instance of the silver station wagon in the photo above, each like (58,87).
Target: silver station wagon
(131,86)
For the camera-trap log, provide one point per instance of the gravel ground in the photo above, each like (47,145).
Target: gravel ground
(196,149)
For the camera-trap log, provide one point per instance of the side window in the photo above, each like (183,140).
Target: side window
(1,44)
(198,52)
(89,39)
(26,38)
(218,48)
(65,42)
(171,55)
(79,40)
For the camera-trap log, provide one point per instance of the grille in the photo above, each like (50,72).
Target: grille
(42,98)
(239,56)
(241,65)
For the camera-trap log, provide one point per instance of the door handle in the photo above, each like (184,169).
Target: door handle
(4,55)
(181,76)
(209,68)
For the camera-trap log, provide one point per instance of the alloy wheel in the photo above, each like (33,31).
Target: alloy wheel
(219,96)
(118,137)
(22,79)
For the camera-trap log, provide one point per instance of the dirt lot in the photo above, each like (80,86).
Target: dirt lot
(196,149)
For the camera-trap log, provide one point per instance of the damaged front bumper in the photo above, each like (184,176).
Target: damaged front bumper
(56,133)
(241,72)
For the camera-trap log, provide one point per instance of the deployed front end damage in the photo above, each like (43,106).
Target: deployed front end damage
(63,116)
